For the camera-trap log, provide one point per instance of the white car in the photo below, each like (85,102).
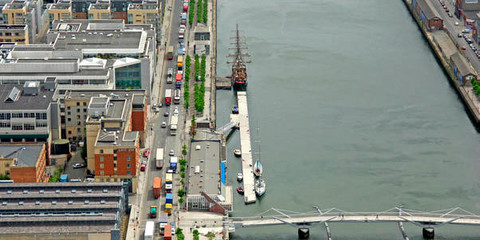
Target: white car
(171,153)
(456,23)
(164,124)
(175,112)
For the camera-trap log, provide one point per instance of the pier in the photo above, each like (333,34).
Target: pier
(247,162)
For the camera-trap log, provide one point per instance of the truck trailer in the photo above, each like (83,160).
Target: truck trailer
(149,230)
(157,187)
(168,97)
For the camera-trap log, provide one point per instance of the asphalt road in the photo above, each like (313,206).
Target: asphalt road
(449,23)
(162,138)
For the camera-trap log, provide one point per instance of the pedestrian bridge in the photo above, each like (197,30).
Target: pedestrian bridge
(304,220)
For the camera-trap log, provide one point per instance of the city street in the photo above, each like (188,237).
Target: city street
(449,23)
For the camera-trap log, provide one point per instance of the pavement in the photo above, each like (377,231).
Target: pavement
(76,173)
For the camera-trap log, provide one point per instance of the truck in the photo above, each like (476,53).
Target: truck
(170,52)
(178,80)
(163,222)
(149,230)
(173,125)
(168,208)
(181,30)
(184,16)
(180,51)
(169,198)
(168,182)
(176,96)
(153,211)
(180,63)
(159,158)
(157,187)
(168,97)
(173,163)
(167,235)
(170,75)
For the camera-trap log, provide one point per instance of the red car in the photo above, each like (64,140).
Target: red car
(146,153)
(142,167)
(463,48)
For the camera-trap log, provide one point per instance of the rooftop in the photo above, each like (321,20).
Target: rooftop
(60,208)
(428,10)
(26,155)
(100,42)
(208,161)
(60,6)
(463,66)
(23,102)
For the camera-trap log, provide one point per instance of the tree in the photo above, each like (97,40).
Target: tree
(180,200)
(181,192)
(184,151)
(4,177)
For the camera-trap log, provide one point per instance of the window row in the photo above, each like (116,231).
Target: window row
(8,116)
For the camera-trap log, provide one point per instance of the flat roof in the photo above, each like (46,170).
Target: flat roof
(26,154)
(463,66)
(24,102)
(208,159)
(133,41)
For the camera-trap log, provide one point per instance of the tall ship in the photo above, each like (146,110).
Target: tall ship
(239,65)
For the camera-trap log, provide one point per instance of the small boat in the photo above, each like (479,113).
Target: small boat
(240,190)
(257,169)
(260,187)
(239,177)
(237,153)
(235,110)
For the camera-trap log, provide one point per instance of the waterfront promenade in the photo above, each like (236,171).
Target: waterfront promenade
(242,119)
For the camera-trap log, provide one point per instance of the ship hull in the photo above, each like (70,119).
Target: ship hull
(240,86)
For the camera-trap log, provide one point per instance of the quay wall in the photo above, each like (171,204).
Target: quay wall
(436,46)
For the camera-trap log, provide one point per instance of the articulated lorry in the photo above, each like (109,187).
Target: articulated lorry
(157,187)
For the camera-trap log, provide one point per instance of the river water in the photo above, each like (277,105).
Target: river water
(351,110)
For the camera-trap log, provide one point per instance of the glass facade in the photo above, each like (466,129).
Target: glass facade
(128,77)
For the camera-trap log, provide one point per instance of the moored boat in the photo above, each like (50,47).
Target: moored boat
(240,190)
(239,177)
(257,169)
(260,187)
(237,153)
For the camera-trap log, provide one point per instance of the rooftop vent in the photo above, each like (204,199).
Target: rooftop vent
(13,95)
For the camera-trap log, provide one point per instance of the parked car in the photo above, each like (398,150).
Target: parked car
(165,114)
(146,153)
(456,23)
(459,35)
(164,124)
(78,165)
(450,14)
(154,106)
(175,112)
(171,153)
(463,48)
(142,167)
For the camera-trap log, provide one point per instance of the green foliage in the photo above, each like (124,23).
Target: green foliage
(56,175)
(179,233)
(199,11)
(205,11)
(197,67)
(203,68)
(182,168)
(182,175)
(186,93)
(191,12)
(475,86)
(182,161)
(181,192)
(184,151)
(195,232)
(4,177)
(180,200)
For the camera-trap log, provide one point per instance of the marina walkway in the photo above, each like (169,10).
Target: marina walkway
(247,162)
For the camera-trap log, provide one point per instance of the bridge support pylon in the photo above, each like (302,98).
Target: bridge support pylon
(303,233)
(428,232)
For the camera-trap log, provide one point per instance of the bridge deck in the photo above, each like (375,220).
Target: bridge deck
(246,148)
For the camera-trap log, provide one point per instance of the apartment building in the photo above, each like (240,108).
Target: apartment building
(143,13)
(20,12)
(15,33)
(24,162)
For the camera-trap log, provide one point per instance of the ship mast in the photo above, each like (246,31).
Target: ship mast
(239,44)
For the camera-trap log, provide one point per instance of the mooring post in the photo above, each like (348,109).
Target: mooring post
(303,233)
(428,232)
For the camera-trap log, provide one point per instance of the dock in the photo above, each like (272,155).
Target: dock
(223,83)
(247,160)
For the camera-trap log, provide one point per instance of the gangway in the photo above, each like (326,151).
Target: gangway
(227,127)
(304,220)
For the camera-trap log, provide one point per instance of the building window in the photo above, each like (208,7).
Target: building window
(41,124)
(28,126)
(78,117)
(102,173)
(101,150)
(129,173)
(17,115)
(68,108)
(115,172)
(79,130)
(114,158)
(4,125)
(4,116)
(84,110)
(69,132)
(114,165)
(102,166)
(69,119)
(101,158)
(17,126)
(129,165)
(129,158)
(41,115)
(7,164)
(84,104)
(69,113)
(29,115)
(78,103)
(78,110)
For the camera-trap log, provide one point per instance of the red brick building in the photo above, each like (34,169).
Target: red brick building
(24,162)
(428,15)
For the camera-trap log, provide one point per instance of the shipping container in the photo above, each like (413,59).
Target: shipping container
(149,230)
(159,158)
(168,97)
(167,235)
(170,52)
(157,187)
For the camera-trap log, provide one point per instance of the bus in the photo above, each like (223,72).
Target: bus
(180,63)
(159,158)
(176,97)
(168,182)
(149,230)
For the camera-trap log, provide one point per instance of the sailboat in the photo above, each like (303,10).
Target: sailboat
(260,187)
(258,169)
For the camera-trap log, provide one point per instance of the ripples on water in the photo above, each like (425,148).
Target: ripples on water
(354,112)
